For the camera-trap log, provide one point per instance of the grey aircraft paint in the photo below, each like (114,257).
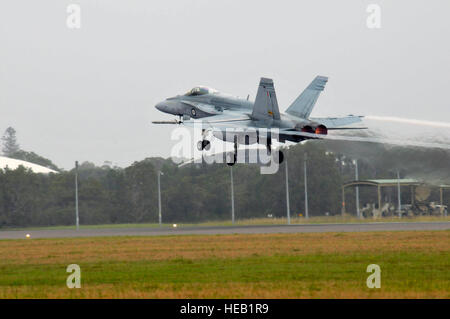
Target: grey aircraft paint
(241,121)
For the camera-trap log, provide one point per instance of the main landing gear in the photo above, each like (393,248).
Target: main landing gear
(232,157)
(278,157)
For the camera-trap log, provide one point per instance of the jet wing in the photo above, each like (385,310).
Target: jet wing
(241,124)
(223,121)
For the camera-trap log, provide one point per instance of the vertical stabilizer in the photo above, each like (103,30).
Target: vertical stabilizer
(304,104)
(266,105)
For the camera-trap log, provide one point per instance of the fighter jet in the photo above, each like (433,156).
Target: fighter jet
(245,122)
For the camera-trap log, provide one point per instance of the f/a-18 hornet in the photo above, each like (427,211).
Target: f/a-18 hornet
(242,121)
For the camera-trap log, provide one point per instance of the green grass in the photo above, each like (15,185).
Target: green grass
(409,273)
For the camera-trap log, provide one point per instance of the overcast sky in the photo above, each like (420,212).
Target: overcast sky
(89,93)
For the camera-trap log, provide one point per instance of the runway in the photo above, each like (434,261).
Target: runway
(216,230)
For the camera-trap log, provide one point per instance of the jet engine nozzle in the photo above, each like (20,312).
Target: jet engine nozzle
(307,129)
(321,129)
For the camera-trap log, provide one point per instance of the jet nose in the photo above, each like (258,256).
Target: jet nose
(170,107)
(161,106)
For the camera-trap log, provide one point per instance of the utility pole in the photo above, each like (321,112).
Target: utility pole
(358,214)
(287,195)
(77,220)
(306,187)
(159,197)
(399,195)
(232,195)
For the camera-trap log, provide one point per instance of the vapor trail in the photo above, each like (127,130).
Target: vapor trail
(385,141)
(408,121)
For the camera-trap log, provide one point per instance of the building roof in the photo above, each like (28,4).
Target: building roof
(395,181)
(391,182)
(384,182)
(11,163)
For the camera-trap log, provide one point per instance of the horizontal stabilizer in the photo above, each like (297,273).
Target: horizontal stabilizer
(336,122)
(346,128)
(304,104)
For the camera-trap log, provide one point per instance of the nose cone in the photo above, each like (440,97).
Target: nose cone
(171,107)
(161,106)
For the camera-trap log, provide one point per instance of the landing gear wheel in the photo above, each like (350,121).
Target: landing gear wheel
(231,162)
(269,145)
(231,159)
(193,112)
(206,145)
(278,157)
(203,145)
(281,159)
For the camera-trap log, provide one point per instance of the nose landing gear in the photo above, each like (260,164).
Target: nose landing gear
(203,145)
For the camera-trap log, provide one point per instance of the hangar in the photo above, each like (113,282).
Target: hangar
(419,193)
(11,163)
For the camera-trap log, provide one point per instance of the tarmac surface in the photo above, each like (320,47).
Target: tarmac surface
(214,230)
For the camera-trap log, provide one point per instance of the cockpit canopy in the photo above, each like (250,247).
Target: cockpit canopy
(200,90)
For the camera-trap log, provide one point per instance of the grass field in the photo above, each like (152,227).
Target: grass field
(260,221)
(328,265)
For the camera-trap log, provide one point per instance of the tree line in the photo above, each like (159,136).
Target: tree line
(198,192)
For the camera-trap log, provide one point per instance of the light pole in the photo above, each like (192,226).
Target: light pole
(232,195)
(306,187)
(399,196)
(77,220)
(287,195)
(358,214)
(159,197)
